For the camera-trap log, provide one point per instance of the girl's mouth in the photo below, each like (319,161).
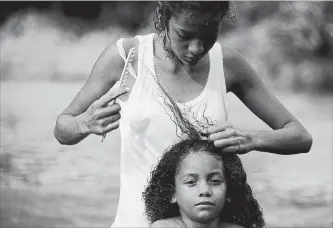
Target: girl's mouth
(205,203)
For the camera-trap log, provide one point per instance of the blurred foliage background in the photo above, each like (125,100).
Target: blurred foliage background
(289,43)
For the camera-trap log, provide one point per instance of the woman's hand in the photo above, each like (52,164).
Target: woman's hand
(231,139)
(103,115)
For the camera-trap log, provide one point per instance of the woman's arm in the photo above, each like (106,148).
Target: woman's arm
(76,122)
(288,135)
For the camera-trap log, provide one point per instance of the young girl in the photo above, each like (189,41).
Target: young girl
(194,185)
(197,73)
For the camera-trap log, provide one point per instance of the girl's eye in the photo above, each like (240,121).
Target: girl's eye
(216,181)
(190,182)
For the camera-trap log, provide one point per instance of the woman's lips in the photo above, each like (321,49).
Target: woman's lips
(192,60)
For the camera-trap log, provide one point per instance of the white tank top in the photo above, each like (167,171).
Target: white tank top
(147,130)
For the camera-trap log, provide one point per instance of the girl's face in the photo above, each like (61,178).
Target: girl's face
(192,37)
(200,187)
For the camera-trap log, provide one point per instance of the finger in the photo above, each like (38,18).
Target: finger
(222,143)
(233,141)
(107,111)
(235,149)
(221,135)
(105,98)
(112,95)
(108,120)
(121,91)
(111,126)
(217,128)
(231,149)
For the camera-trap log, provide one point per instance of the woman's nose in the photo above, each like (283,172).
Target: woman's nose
(196,47)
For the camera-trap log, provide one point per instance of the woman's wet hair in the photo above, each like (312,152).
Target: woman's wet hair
(243,208)
(168,9)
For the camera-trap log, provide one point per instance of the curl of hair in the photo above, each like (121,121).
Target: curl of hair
(167,9)
(186,127)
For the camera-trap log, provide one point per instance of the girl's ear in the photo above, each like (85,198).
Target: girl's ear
(173,199)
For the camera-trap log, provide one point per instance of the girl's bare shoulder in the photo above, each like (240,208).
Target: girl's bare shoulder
(230,225)
(166,223)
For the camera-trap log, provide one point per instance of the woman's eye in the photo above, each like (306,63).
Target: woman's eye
(184,37)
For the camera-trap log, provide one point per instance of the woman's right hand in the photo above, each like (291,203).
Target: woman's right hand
(103,115)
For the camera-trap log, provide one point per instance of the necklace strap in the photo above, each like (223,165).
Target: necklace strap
(184,224)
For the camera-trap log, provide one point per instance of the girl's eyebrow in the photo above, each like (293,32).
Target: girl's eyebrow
(190,174)
(215,173)
(209,175)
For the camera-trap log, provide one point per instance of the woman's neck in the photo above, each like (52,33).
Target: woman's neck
(173,64)
(188,223)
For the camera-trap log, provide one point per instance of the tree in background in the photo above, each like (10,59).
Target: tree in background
(290,43)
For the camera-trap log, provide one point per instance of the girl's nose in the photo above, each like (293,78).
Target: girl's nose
(205,190)
(196,47)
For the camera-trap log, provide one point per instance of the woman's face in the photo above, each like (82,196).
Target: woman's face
(192,37)
(200,187)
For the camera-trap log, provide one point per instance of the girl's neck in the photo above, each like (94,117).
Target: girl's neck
(188,223)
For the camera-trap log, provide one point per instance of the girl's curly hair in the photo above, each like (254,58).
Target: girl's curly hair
(243,208)
(168,9)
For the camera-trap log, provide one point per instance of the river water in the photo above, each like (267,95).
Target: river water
(44,184)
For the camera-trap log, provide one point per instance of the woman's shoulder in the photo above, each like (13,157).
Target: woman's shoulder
(130,42)
(127,43)
(232,61)
(232,57)
(110,54)
(236,67)
(163,223)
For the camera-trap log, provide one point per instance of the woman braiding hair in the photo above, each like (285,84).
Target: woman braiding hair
(194,69)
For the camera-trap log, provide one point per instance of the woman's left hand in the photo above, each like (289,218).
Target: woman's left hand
(231,139)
